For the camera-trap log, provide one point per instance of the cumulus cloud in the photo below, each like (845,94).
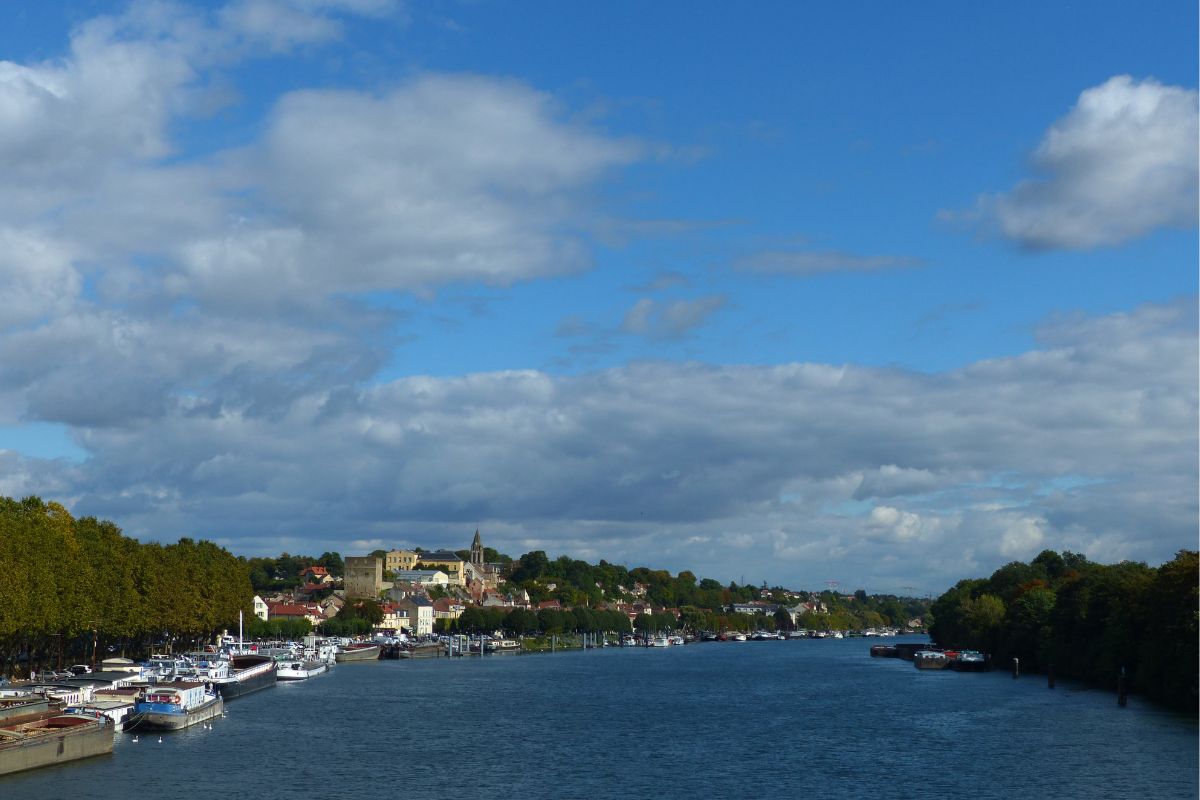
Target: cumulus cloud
(235,279)
(448,178)
(896,525)
(1120,164)
(630,462)
(37,275)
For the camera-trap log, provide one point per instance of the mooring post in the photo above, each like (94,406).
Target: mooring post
(1050,676)
(1121,688)
(1016,667)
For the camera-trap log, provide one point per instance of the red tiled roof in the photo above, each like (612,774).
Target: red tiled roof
(289,610)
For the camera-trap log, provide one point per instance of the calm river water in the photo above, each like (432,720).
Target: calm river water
(790,719)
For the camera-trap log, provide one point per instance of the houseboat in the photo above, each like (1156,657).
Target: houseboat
(119,710)
(174,706)
(298,669)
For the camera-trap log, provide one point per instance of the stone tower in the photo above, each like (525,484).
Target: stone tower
(476,551)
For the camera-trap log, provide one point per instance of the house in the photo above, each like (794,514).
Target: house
(419,613)
(754,607)
(549,605)
(494,599)
(307,611)
(260,608)
(447,562)
(394,618)
(331,605)
(448,608)
(632,610)
(807,607)
(316,575)
(421,577)
(394,560)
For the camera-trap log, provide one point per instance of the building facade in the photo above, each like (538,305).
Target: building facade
(364,577)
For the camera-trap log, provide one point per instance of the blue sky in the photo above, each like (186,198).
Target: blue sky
(881,293)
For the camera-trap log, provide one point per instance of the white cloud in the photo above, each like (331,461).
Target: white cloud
(1120,164)
(890,480)
(896,525)
(37,276)
(281,25)
(609,461)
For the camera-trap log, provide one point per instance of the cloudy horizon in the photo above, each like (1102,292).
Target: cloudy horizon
(355,274)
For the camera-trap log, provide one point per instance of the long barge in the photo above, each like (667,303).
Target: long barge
(248,673)
(54,739)
(358,652)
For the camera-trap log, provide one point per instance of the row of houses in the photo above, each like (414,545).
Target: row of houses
(811,606)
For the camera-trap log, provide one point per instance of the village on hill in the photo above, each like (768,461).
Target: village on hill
(425,592)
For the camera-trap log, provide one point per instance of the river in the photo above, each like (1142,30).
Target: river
(786,719)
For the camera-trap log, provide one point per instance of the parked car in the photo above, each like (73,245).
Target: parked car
(79,669)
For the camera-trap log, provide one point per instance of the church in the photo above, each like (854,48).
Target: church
(481,575)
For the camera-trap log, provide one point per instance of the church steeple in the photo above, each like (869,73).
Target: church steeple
(477,550)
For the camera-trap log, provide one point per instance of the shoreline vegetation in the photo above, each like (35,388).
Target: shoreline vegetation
(79,590)
(1064,615)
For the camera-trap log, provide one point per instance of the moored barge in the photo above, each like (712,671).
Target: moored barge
(248,672)
(174,706)
(53,739)
(358,652)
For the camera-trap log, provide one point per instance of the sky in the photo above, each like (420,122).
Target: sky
(872,295)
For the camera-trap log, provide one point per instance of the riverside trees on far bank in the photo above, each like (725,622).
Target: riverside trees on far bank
(1088,621)
(73,588)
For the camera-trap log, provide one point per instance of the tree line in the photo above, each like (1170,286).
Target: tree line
(1085,620)
(80,590)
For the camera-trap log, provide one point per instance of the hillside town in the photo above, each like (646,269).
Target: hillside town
(424,592)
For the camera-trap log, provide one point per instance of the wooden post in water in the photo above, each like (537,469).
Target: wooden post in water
(1016,667)
(1121,688)
(1050,676)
